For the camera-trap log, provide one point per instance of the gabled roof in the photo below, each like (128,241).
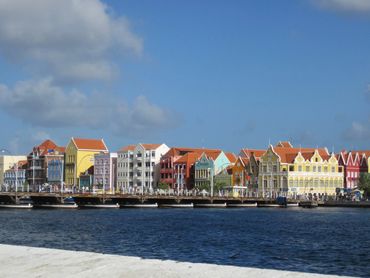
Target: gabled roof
(151,146)
(179,151)
(287,155)
(48,147)
(284,144)
(90,144)
(189,158)
(212,154)
(231,157)
(366,152)
(127,148)
(248,153)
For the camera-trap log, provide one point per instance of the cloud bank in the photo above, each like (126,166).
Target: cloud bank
(353,6)
(43,104)
(71,40)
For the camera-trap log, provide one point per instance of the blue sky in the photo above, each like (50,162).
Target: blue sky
(220,74)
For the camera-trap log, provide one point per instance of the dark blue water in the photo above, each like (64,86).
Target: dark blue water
(323,240)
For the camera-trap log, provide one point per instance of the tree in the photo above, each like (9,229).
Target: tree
(163,186)
(364,184)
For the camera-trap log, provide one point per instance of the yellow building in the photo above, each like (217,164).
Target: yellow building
(293,172)
(79,157)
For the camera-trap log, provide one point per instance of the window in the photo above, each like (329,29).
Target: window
(333,169)
(300,168)
(314,169)
(319,169)
(153,153)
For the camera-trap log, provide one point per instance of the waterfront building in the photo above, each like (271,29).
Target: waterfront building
(138,167)
(207,167)
(183,172)
(176,166)
(7,162)
(45,165)
(240,172)
(15,177)
(292,172)
(105,171)
(79,157)
(251,160)
(365,165)
(351,163)
(224,179)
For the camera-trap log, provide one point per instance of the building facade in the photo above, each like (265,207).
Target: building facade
(138,167)
(79,157)
(294,172)
(15,177)
(7,162)
(351,163)
(105,172)
(172,169)
(45,165)
(207,167)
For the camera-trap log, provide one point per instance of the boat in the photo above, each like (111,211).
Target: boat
(59,206)
(16,206)
(191,205)
(309,204)
(261,205)
(155,205)
(292,205)
(223,205)
(244,205)
(100,206)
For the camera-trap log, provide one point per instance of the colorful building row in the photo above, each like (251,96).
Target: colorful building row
(280,170)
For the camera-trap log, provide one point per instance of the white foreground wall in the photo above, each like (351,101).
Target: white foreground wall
(19,261)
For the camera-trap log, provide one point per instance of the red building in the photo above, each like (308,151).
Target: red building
(354,163)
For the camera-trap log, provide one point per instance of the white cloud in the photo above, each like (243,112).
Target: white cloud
(358,132)
(42,104)
(70,40)
(358,6)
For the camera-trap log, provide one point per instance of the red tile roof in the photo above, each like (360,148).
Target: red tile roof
(49,147)
(189,158)
(177,151)
(287,155)
(249,152)
(151,146)
(127,148)
(90,144)
(231,157)
(284,144)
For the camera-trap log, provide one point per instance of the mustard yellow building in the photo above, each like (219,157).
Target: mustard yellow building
(79,157)
(293,172)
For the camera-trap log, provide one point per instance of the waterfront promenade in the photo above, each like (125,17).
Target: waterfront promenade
(86,199)
(21,261)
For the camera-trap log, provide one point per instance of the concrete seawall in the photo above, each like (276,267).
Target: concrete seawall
(20,261)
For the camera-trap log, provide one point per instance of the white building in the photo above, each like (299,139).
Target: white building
(138,167)
(7,162)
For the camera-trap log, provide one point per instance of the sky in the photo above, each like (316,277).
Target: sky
(213,73)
